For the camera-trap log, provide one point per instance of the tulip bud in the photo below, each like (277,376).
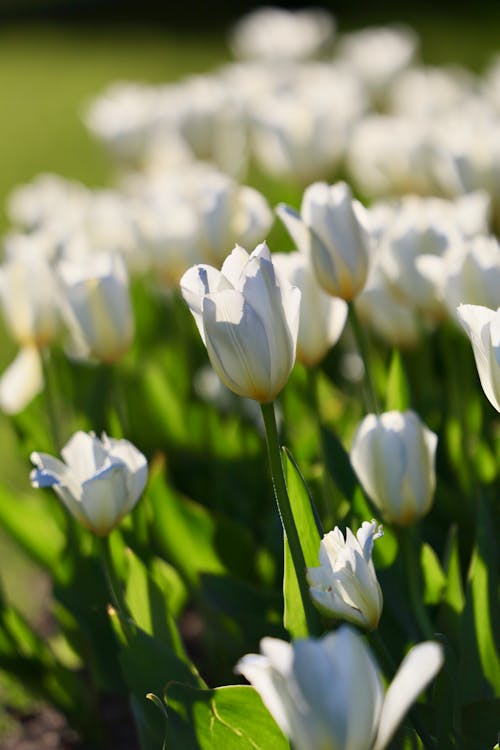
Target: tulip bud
(393,455)
(99,482)
(98,308)
(330,229)
(247,320)
(327,693)
(322,318)
(483,328)
(345,585)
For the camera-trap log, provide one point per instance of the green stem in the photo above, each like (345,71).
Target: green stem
(410,551)
(50,400)
(357,328)
(286,515)
(113,584)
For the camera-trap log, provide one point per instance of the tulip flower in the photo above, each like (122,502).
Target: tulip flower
(483,328)
(248,321)
(28,298)
(345,585)
(99,481)
(327,694)
(393,455)
(322,318)
(330,229)
(97,306)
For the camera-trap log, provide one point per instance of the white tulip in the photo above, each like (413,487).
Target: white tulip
(97,306)
(345,586)
(247,320)
(327,694)
(330,229)
(483,328)
(322,318)
(393,455)
(277,34)
(99,482)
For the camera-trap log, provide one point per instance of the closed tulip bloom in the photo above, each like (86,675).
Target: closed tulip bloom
(330,229)
(327,694)
(322,317)
(345,586)
(393,455)
(97,306)
(482,326)
(99,482)
(248,321)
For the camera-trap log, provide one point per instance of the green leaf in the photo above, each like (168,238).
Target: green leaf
(147,666)
(232,718)
(308,529)
(479,653)
(196,540)
(338,463)
(149,606)
(434,579)
(453,601)
(32,522)
(445,699)
(398,392)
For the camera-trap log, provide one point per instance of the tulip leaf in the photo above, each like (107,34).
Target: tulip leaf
(338,463)
(149,608)
(308,529)
(232,717)
(148,665)
(434,579)
(196,540)
(480,653)
(398,392)
(453,598)
(42,538)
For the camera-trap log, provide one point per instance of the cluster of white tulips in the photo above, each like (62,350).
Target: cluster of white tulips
(405,266)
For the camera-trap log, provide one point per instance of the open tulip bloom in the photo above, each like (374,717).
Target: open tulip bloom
(345,585)
(326,693)
(248,321)
(99,482)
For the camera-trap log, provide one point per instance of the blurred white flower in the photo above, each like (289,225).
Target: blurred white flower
(99,482)
(330,229)
(390,156)
(247,320)
(327,694)
(96,305)
(483,329)
(29,298)
(48,198)
(378,54)
(425,91)
(469,274)
(276,34)
(322,317)
(300,127)
(345,586)
(393,456)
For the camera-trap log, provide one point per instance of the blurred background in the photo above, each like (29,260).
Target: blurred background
(55,56)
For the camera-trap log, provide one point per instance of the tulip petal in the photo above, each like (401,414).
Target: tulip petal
(417,669)
(137,468)
(85,454)
(195,283)
(103,498)
(21,381)
(476,321)
(237,345)
(296,227)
